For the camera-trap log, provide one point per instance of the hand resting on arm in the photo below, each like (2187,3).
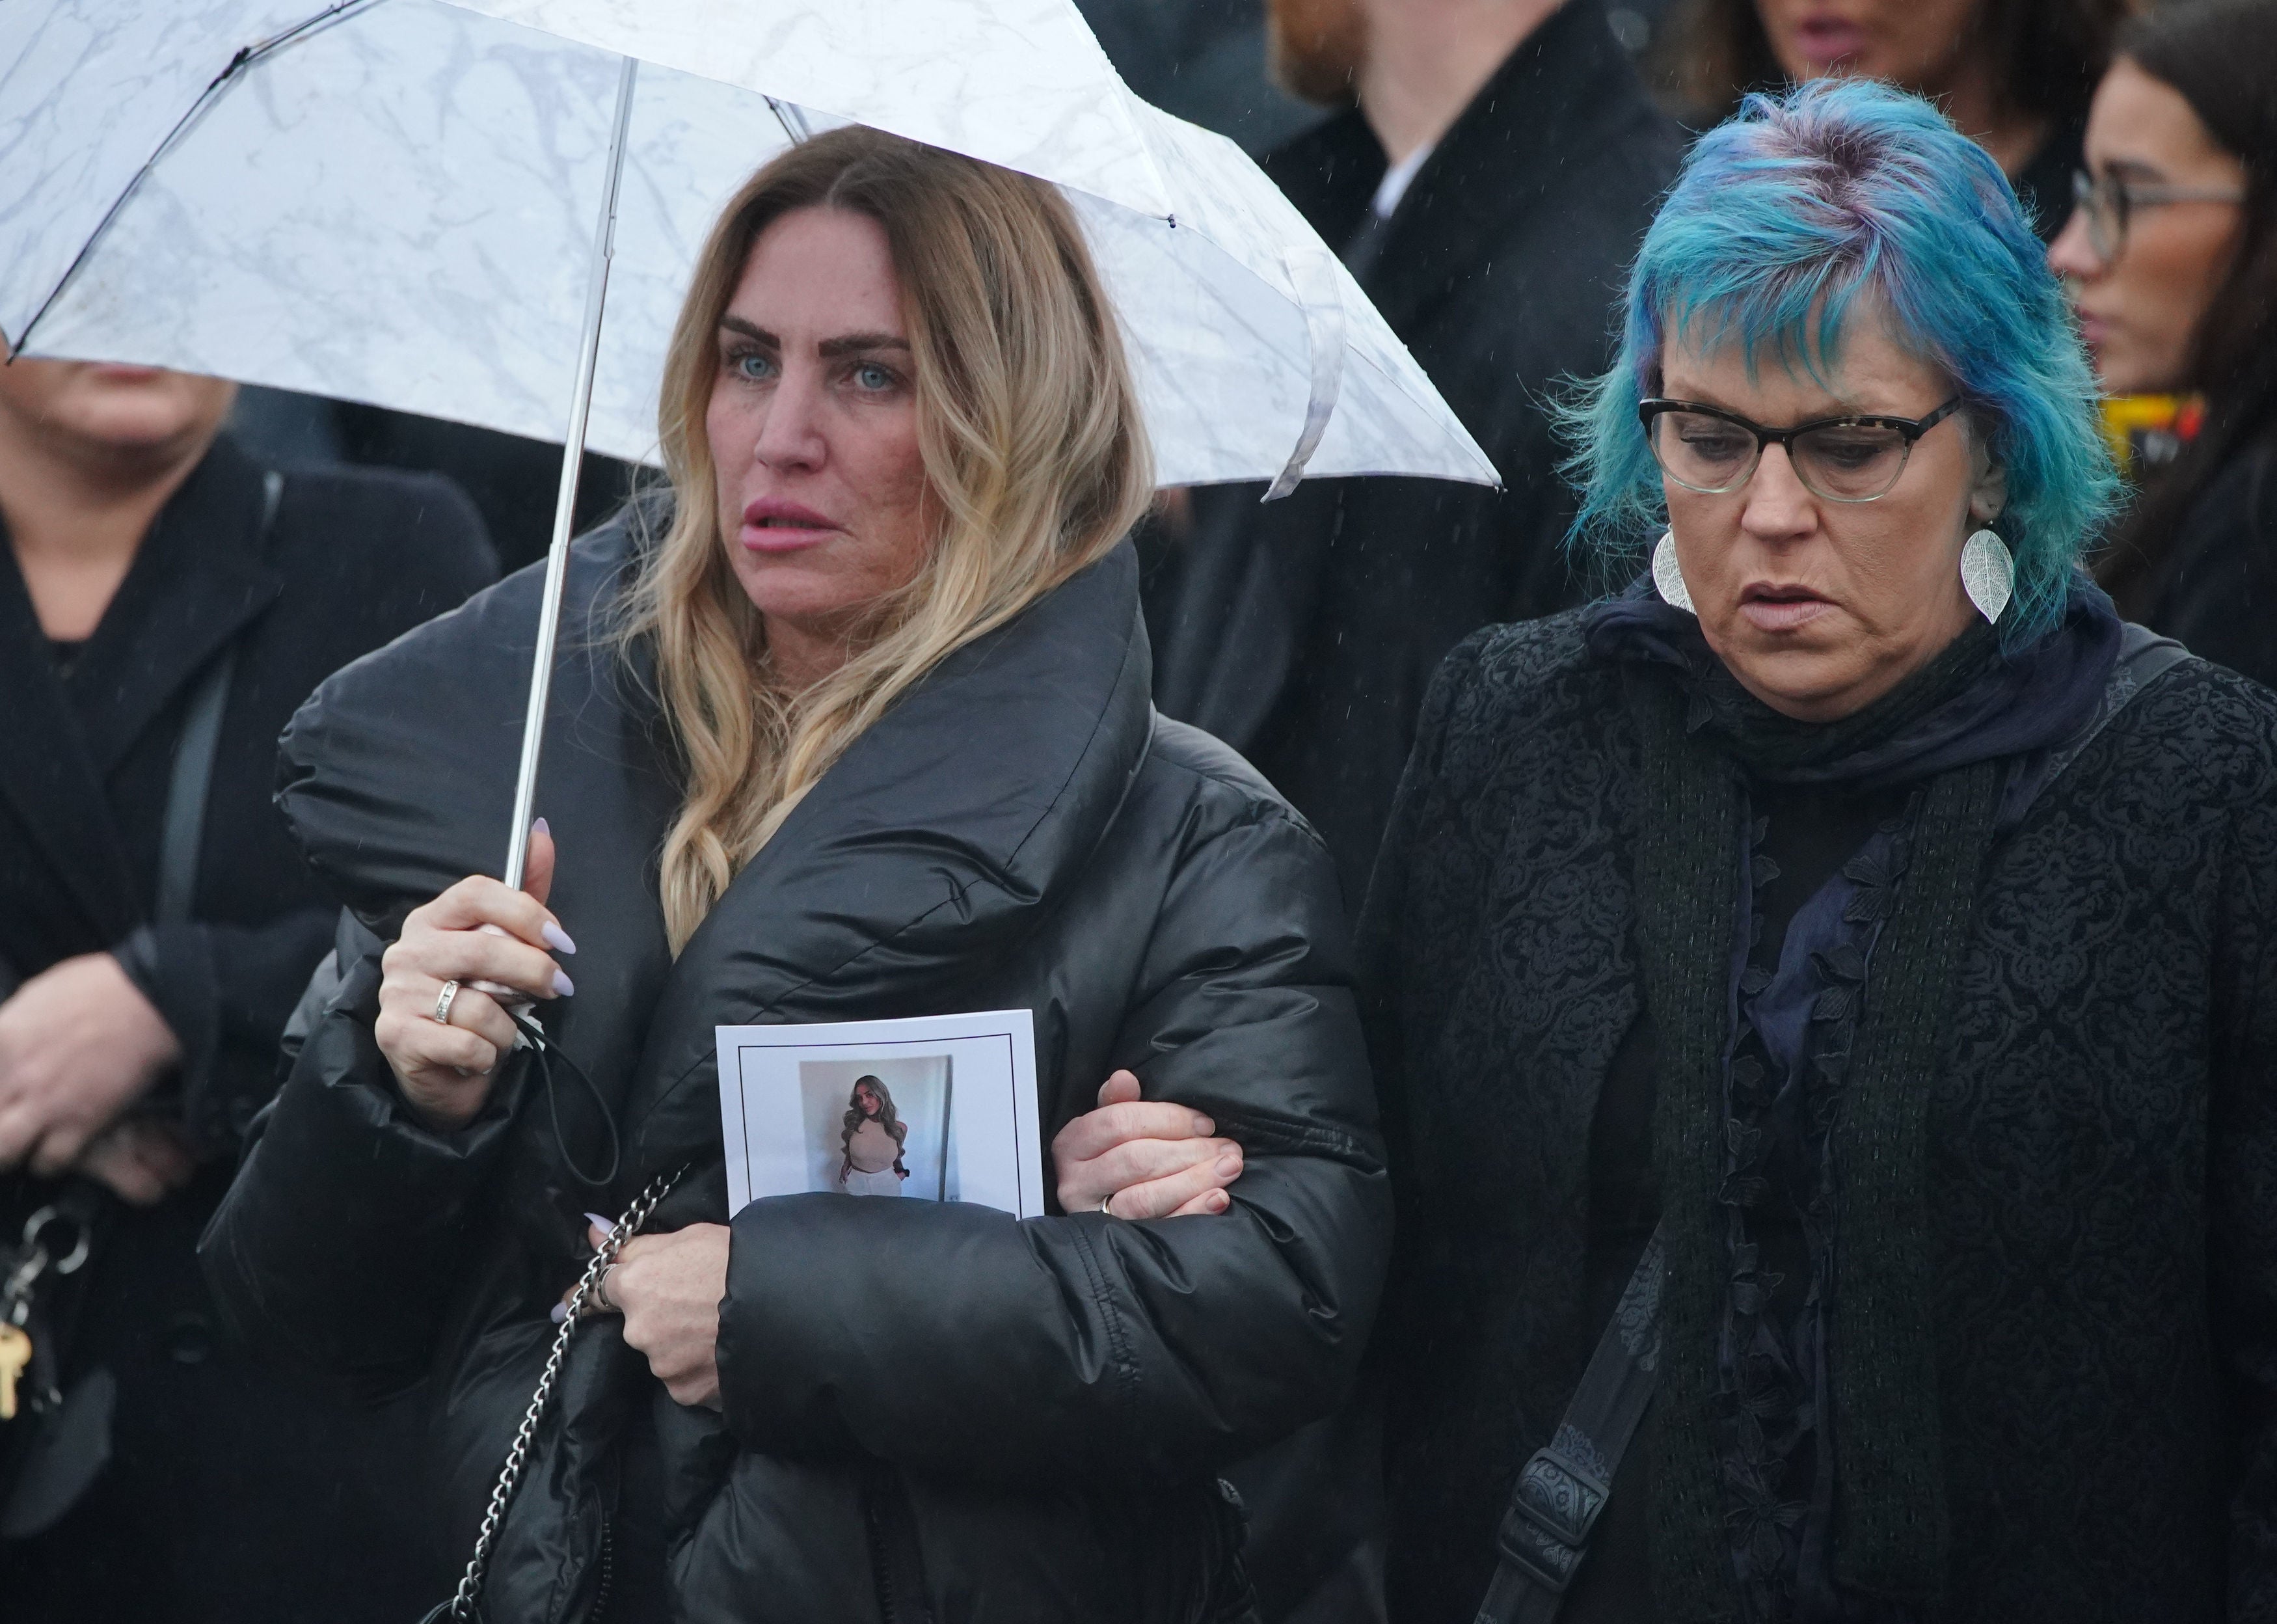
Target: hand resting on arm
(1156,1160)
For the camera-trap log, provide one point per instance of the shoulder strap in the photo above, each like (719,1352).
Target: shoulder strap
(182,831)
(1562,1489)
(2143,658)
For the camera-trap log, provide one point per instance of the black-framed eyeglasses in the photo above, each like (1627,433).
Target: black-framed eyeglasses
(1853,458)
(2107,204)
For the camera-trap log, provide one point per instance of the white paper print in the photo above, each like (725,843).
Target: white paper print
(939,1109)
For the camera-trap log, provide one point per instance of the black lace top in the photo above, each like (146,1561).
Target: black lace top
(1820,871)
(1819,856)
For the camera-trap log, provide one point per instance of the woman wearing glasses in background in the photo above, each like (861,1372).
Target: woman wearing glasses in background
(2173,261)
(1859,907)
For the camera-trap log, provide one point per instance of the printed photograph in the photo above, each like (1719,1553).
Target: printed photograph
(880,1127)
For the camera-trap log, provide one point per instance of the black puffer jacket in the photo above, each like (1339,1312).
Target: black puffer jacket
(1043,1404)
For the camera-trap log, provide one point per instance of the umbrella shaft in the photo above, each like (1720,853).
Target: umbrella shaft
(565,505)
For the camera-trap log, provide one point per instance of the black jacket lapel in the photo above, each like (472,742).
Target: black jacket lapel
(1567,81)
(48,776)
(198,579)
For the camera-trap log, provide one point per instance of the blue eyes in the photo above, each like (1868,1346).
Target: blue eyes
(868,376)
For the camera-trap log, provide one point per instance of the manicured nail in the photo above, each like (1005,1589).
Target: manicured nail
(1204,1126)
(561,1312)
(539,828)
(557,938)
(600,1223)
(1229,1165)
(563,985)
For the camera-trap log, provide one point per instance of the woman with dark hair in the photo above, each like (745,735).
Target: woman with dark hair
(1834,980)
(2015,75)
(2172,260)
(870,1142)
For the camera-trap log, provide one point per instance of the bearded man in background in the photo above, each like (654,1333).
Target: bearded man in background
(1494,167)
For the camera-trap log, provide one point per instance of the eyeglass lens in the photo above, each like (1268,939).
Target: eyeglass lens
(2104,204)
(1845,462)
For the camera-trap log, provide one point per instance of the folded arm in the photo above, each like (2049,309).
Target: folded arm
(1087,1347)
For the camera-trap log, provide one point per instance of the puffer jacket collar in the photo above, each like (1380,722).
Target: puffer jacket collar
(943,834)
(942,837)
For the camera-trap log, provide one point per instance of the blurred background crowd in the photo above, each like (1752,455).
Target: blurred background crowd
(1486,168)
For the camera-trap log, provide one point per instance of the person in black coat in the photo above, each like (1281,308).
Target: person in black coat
(855,726)
(1303,633)
(136,1040)
(2173,263)
(1828,991)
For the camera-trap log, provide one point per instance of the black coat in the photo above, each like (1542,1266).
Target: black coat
(216,1471)
(1048,1402)
(1303,633)
(2216,587)
(2102,1196)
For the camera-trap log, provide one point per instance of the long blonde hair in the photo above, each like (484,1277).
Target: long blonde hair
(1034,452)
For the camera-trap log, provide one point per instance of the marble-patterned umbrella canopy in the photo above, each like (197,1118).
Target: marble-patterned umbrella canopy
(398,206)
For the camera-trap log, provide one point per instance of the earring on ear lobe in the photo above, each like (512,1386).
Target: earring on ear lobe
(1667,577)
(1988,574)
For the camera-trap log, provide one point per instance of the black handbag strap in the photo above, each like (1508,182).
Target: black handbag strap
(1562,1489)
(182,833)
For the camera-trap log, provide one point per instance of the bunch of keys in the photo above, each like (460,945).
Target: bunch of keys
(31,1261)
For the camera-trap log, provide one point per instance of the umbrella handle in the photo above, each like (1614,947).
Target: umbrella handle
(565,505)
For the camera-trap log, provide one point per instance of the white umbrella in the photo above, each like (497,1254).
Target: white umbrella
(395,201)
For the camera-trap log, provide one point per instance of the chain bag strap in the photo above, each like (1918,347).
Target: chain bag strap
(462,1605)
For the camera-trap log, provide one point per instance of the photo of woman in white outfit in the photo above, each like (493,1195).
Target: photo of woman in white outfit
(869,1148)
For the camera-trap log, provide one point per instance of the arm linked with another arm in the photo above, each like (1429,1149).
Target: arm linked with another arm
(1084,1350)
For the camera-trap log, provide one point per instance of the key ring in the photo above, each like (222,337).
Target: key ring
(34,1228)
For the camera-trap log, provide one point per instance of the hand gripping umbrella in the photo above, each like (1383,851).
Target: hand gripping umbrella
(428,205)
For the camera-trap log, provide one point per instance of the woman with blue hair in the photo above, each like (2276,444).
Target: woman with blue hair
(1825,994)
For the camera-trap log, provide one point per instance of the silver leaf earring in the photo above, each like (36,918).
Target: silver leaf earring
(1988,574)
(1667,578)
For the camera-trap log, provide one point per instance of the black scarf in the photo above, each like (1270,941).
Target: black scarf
(1969,730)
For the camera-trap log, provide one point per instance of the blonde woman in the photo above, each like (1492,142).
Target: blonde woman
(858,726)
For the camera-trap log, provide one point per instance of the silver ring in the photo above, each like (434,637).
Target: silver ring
(601,1293)
(1107,1206)
(443,1004)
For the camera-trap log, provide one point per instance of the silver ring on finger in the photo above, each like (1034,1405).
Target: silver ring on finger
(443,1001)
(1107,1206)
(601,1298)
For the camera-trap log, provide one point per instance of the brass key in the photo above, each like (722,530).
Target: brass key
(15,1356)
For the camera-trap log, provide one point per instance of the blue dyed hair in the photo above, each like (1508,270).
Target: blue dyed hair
(1780,220)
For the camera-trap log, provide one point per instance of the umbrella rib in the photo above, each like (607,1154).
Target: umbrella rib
(246,56)
(793,121)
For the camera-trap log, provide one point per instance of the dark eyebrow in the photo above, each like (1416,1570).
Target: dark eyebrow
(855,343)
(831,349)
(2133,168)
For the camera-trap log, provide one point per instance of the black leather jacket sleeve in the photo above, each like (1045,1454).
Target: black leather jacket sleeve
(1081,1346)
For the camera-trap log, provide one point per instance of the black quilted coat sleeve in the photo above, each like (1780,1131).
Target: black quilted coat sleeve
(1081,1349)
